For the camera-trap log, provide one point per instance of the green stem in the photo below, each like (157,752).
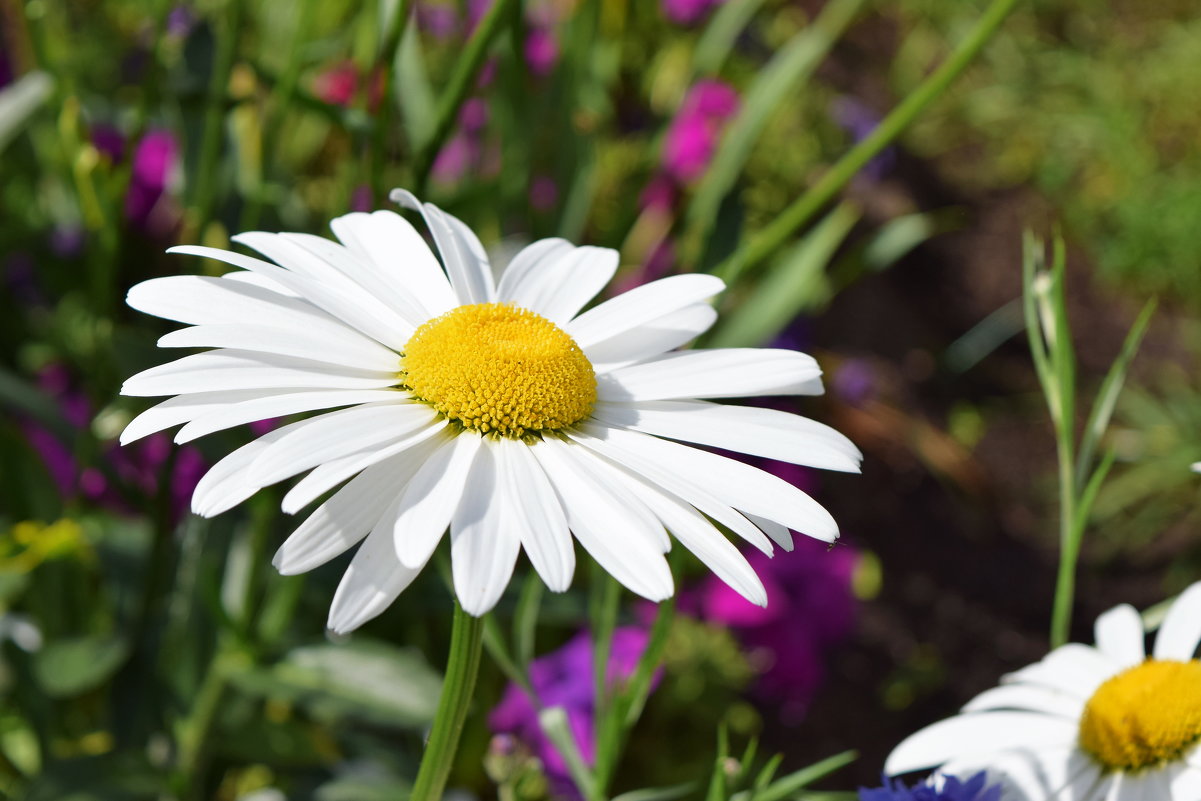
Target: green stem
(198,729)
(1069,540)
(801,211)
(462,665)
(456,92)
(385,66)
(205,196)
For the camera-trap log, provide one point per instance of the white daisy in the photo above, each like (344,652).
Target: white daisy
(1104,723)
(497,409)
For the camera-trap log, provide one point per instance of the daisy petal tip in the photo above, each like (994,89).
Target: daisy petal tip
(405,198)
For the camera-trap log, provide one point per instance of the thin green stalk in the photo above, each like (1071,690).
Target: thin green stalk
(385,66)
(1069,537)
(197,731)
(800,212)
(284,92)
(462,666)
(204,198)
(604,622)
(461,81)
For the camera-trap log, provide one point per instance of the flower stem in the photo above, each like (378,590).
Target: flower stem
(462,666)
(808,204)
(461,81)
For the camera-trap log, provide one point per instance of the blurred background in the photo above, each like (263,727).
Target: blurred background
(147,653)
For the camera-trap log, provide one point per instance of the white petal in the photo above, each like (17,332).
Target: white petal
(336,434)
(226,484)
(542,523)
(1151,785)
(401,259)
(777,533)
(1181,629)
(338,347)
(741,486)
(430,499)
(971,735)
(344,519)
(760,432)
(605,528)
(343,300)
(183,408)
(203,300)
(1073,668)
(254,279)
(690,492)
(1035,775)
(722,373)
(484,538)
(465,258)
(330,474)
(362,286)
(699,536)
(1029,697)
(1120,636)
(1186,785)
(372,582)
(229,369)
(641,305)
(530,262)
(230,414)
(559,282)
(646,341)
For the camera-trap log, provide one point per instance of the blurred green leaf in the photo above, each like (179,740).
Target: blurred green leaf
(796,281)
(786,786)
(413,92)
(720,35)
(119,776)
(363,679)
(659,793)
(365,788)
(784,75)
(18,102)
(71,666)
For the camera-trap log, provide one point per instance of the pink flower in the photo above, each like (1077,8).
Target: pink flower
(544,193)
(693,135)
(541,51)
(687,12)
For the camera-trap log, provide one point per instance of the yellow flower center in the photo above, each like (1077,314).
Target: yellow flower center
(497,368)
(1144,716)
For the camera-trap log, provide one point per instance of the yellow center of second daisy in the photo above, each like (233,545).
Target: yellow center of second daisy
(498,368)
(1144,716)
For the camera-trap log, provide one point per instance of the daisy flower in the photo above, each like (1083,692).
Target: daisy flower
(496,408)
(1103,723)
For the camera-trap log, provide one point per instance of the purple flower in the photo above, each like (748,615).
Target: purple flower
(687,12)
(6,70)
(140,466)
(541,51)
(180,21)
(360,198)
(951,789)
(564,678)
(693,135)
(854,381)
(859,120)
(455,158)
(440,20)
(544,193)
(155,170)
(810,608)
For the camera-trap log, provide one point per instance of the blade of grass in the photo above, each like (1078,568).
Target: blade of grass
(461,80)
(787,72)
(797,281)
(785,786)
(723,30)
(1107,395)
(802,210)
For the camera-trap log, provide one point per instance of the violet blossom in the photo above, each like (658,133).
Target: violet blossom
(564,678)
(692,138)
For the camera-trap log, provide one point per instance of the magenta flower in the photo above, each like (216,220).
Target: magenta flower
(810,609)
(338,84)
(541,51)
(440,20)
(156,165)
(687,12)
(564,678)
(693,135)
(544,193)
(140,467)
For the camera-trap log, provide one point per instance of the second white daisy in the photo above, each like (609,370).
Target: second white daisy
(496,409)
(1104,723)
